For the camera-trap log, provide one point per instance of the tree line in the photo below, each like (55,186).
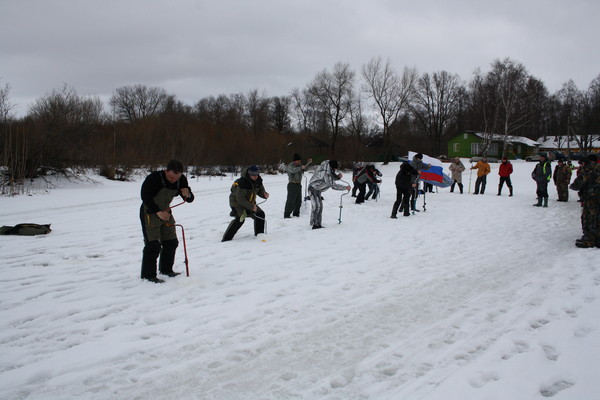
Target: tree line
(373,114)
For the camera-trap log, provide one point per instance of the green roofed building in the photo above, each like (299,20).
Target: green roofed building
(472,144)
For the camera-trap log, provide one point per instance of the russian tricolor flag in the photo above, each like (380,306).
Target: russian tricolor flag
(435,173)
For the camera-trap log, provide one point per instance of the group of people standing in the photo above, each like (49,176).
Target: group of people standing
(161,187)
(483,169)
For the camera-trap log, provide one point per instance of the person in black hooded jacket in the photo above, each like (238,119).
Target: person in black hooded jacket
(405,182)
(242,201)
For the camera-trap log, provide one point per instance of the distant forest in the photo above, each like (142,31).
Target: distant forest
(373,114)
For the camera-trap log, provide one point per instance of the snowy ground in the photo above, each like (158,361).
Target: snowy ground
(479,297)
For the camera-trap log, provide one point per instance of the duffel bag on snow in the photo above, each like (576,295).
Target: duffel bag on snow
(25,229)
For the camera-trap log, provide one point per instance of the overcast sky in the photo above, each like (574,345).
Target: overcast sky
(195,48)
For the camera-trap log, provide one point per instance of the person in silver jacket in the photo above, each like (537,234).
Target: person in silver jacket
(323,179)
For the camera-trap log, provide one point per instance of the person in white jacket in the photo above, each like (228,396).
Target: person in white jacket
(323,179)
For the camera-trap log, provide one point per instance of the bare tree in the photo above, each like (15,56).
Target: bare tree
(64,126)
(131,103)
(593,98)
(279,114)
(510,79)
(11,145)
(305,111)
(6,107)
(334,93)
(257,112)
(390,93)
(436,104)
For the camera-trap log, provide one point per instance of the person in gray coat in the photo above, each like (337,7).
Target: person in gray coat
(323,179)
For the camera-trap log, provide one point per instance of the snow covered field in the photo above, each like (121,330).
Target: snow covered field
(479,297)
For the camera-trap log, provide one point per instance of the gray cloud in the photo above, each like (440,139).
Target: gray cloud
(199,48)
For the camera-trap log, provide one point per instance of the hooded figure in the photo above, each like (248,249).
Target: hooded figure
(242,200)
(404,184)
(323,179)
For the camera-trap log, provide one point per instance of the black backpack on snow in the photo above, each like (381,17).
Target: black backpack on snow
(25,229)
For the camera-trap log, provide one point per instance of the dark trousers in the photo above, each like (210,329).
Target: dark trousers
(414,193)
(501,184)
(460,186)
(153,249)
(294,200)
(402,201)
(362,188)
(563,191)
(238,221)
(373,190)
(480,183)
(542,190)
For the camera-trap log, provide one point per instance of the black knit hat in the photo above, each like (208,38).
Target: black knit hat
(333,164)
(297,157)
(419,156)
(253,171)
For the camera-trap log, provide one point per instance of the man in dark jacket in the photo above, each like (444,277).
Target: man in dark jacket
(242,201)
(542,174)
(405,183)
(158,225)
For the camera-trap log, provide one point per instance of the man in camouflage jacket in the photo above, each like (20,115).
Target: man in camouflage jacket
(588,185)
(242,200)
(562,178)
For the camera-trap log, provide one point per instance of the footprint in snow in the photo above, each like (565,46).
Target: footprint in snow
(482,378)
(555,388)
(538,323)
(550,352)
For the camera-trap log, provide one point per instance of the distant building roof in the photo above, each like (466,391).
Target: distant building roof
(512,139)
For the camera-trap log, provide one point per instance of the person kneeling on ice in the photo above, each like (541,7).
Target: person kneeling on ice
(242,201)
(323,179)
(158,225)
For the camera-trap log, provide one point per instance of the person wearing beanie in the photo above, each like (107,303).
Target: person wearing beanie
(323,179)
(587,184)
(562,178)
(242,200)
(504,171)
(158,225)
(483,169)
(295,170)
(542,173)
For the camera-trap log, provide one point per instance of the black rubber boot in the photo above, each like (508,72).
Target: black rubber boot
(167,257)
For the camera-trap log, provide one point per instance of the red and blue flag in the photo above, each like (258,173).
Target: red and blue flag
(435,173)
